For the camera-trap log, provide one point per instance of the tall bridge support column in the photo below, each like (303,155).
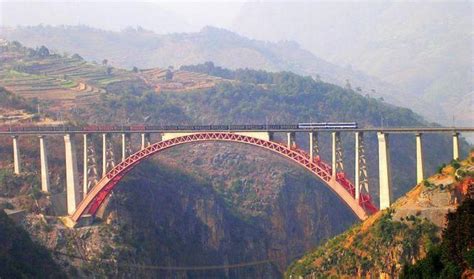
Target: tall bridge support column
(72,181)
(85,171)
(271,136)
(44,165)
(385,186)
(145,140)
(456,146)
(313,145)
(337,154)
(90,174)
(126,148)
(104,154)
(16,156)
(291,139)
(108,161)
(361,177)
(419,159)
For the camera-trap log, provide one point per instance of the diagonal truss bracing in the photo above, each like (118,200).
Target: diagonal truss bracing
(340,185)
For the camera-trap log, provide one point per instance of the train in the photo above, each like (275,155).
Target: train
(328,125)
(140,128)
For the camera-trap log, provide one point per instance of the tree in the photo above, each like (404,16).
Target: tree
(348,85)
(77,56)
(169,75)
(456,251)
(135,69)
(104,62)
(43,52)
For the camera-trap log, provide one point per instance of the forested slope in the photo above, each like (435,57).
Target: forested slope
(20,257)
(213,197)
(404,240)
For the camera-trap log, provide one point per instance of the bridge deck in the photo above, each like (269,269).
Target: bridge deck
(127,129)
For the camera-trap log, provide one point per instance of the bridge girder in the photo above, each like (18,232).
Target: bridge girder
(340,185)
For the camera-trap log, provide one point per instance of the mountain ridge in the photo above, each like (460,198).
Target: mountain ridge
(146,49)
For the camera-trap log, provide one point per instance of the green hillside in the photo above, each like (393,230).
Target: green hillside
(145,49)
(20,257)
(225,194)
(423,47)
(404,240)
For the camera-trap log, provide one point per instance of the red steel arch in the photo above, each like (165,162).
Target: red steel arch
(340,185)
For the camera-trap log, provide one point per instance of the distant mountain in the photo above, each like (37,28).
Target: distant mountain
(226,203)
(424,47)
(145,49)
(109,15)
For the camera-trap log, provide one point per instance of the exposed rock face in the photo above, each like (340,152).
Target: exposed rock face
(203,205)
(381,245)
(228,204)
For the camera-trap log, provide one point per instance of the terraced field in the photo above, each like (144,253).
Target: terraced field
(64,82)
(67,82)
(178,81)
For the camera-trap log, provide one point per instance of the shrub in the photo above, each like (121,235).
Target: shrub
(455,164)
(440,168)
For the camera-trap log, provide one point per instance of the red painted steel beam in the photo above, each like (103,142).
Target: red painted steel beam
(341,186)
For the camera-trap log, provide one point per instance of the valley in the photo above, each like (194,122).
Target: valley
(197,205)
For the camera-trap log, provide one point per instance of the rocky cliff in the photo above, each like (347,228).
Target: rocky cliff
(402,234)
(206,204)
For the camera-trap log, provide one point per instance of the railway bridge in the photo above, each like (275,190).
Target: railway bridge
(84,199)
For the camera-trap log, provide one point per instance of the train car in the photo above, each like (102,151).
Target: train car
(287,127)
(152,127)
(4,129)
(319,125)
(91,128)
(342,125)
(237,127)
(137,128)
(258,127)
(328,125)
(185,127)
(169,127)
(219,127)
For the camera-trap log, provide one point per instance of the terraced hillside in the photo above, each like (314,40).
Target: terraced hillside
(62,81)
(67,82)
(169,80)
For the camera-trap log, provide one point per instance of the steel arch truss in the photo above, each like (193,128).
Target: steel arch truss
(340,185)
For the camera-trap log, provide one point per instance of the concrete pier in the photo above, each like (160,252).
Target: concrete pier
(419,159)
(358,140)
(104,154)
(337,160)
(72,180)
(90,174)
(385,186)
(291,139)
(44,165)
(85,170)
(456,146)
(145,140)
(125,142)
(313,145)
(16,156)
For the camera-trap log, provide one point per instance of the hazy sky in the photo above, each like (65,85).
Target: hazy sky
(160,16)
